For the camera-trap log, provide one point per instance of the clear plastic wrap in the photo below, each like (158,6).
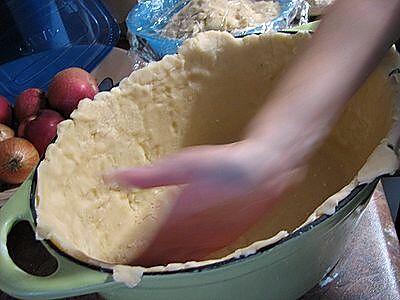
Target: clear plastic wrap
(158,27)
(224,15)
(108,76)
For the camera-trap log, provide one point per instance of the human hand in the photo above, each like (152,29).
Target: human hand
(226,190)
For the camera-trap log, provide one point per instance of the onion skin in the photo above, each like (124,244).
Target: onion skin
(5,132)
(18,157)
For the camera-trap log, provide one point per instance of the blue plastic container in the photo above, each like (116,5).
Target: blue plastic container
(146,20)
(40,38)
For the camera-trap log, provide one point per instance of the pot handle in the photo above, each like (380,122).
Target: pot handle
(69,279)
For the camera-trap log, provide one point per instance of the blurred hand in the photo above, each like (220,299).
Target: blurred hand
(226,190)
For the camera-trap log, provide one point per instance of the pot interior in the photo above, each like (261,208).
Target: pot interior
(225,102)
(205,95)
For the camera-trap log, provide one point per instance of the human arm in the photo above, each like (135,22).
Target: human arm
(212,210)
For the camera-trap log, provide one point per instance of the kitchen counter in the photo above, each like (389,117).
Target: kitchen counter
(369,269)
(370,266)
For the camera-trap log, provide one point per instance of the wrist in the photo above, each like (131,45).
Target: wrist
(290,141)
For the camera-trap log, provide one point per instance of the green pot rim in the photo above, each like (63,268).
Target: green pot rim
(343,203)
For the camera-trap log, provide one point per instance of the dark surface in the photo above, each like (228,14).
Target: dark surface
(391,186)
(369,269)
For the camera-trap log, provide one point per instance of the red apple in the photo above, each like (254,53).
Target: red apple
(42,130)
(28,103)
(69,87)
(22,126)
(5,111)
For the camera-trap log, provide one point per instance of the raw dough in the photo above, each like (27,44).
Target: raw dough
(318,7)
(224,15)
(205,94)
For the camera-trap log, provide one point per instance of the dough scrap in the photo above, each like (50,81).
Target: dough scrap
(318,7)
(225,15)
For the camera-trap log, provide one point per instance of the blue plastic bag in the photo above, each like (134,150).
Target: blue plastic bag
(147,19)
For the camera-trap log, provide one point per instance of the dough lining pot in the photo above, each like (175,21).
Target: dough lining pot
(275,260)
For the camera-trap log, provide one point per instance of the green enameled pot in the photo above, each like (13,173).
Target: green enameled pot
(284,270)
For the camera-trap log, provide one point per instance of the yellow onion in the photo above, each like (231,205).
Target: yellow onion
(17,159)
(5,132)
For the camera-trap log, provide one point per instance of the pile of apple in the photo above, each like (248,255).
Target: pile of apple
(31,125)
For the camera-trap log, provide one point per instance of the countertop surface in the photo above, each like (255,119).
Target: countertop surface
(369,268)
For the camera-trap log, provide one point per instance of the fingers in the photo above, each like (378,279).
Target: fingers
(147,177)
(175,170)
(199,197)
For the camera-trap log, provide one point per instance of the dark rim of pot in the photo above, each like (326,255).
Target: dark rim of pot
(211,266)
